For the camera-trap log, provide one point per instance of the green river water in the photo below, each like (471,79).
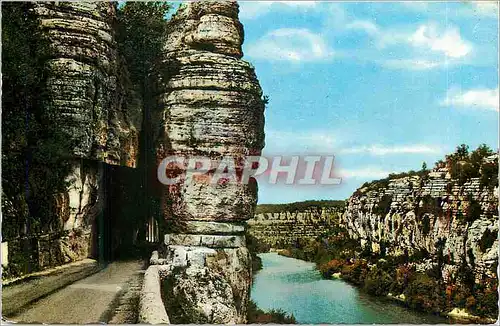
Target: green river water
(296,287)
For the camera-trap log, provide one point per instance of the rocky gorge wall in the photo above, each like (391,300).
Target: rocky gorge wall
(412,214)
(437,222)
(284,229)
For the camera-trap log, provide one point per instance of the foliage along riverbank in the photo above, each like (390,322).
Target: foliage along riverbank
(336,256)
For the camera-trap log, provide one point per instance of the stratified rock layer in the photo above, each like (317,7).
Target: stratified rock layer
(431,215)
(283,229)
(83,85)
(213,107)
(85,90)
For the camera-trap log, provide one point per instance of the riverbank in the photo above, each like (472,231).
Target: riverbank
(398,278)
(297,287)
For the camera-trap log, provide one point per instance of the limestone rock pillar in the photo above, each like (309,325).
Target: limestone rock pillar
(212,107)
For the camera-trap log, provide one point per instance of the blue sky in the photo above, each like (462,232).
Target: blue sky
(382,86)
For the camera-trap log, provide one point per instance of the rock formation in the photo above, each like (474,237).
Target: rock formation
(85,87)
(435,215)
(282,229)
(84,84)
(85,90)
(212,105)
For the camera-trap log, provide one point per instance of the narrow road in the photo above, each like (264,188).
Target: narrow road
(95,299)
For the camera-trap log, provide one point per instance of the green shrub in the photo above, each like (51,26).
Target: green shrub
(464,165)
(355,272)
(255,315)
(401,279)
(419,255)
(331,267)
(424,293)
(487,304)
(377,282)
(489,175)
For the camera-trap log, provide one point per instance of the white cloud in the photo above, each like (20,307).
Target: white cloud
(423,47)
(416,5)
(290,44)
(449,42)
(255,9)
(363,173)
(381,150)
(367,26)
(300,141)
(485,8)
(479,98)
(412,64)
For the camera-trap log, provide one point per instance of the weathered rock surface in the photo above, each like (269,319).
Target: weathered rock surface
(84,81)
(435,215)
(212,104)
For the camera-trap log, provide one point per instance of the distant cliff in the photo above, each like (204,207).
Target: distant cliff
(430,215)
(441,229)
(280,226)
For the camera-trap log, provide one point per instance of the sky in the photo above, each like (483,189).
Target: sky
(382,86)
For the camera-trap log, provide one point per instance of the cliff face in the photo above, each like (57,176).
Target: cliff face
(280,230)
(212,108)
(434,218)
(85,90)
(84,85)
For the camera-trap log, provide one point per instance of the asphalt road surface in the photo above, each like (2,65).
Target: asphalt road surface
(90,300)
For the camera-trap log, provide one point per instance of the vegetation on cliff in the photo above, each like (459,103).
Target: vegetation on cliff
(34,147)
(299,206)
(463,165)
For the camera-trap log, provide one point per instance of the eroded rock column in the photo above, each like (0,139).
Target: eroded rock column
(213,108)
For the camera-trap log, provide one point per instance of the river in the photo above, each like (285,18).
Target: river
(296,287)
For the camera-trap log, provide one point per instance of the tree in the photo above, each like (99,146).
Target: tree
(462,151)
(424,166)
(141,35)
(479,154)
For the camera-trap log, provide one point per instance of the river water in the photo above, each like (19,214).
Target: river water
(296,287)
